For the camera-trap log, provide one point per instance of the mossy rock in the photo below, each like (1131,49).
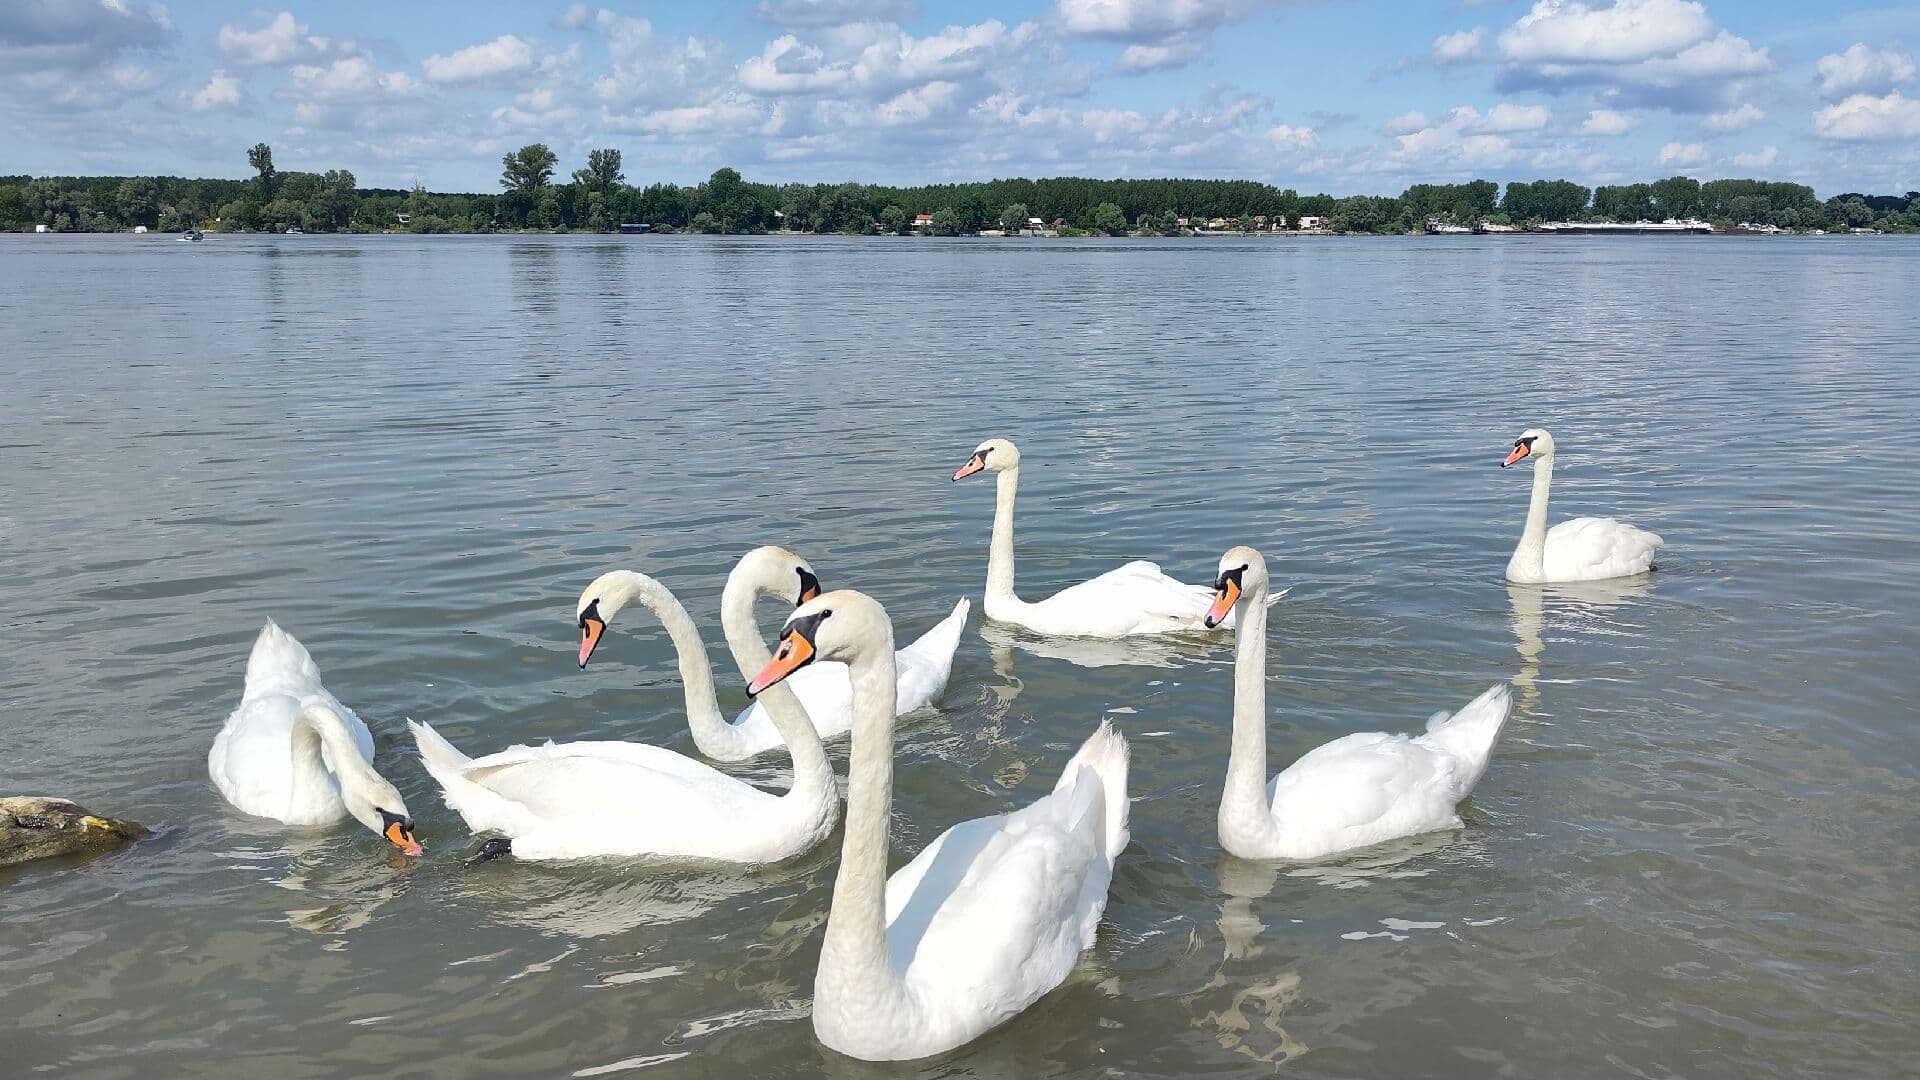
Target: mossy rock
(36,827)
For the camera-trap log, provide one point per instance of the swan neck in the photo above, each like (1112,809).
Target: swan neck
(1531,556)
(1000,554)
(696,675)
(317,726)
(1244,814)
(854,949)
(812,774)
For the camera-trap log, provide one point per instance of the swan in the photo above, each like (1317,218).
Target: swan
(990,916)
(582,799)
(1357,790)
(824,689)
(291,752)
(1129,600)
(1578,549)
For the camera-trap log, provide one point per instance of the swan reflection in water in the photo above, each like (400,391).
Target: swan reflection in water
(1581,606)
(1249,1020)
(1155,650)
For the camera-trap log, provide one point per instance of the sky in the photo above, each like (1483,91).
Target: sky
(1347,98)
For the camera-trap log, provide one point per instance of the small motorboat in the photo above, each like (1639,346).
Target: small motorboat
(191,236)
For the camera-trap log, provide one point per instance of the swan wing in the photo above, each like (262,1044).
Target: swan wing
(1137,598)
(1595,548)
(996,911)
(924,666)
(1361,789)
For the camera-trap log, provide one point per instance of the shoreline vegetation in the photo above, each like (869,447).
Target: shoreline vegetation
(598,198)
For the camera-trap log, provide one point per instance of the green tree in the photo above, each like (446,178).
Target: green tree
(894,219)
(946,222)
(138,200)
(1014,218)
(1676,197)
(1110,219)
(527,170)
(602,173)
(261,158)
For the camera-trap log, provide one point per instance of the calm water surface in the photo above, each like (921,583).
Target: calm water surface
(1694,854)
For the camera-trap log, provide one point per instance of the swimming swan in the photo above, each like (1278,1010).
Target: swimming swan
(291,752)
(824,690)
(1133,599)
(990,916)
(1578,549)
(1357,790)
(582,799)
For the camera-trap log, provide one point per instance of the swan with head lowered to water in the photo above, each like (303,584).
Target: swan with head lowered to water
(1357,790)
(291,752)
(1578,549)
(990,916)
(1134,599)
(824,690)
(582,799)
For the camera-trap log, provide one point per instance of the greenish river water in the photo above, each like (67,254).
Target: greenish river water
(1694,854)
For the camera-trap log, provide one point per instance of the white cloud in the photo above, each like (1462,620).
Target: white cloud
(1460,47)
(1292,139)
(1627,31)
(221,92)
(1406,123)
(507,54)
(1137,20)
(1762,159)
(811,14)
(1736,119)
(577,17)
(1866,118)
(281,41)
(1464,138)
(1505,118)
(1681,155)
(1607,122)
(1178,52)
(1665,53)
(350,92)
(1862,70)
(75,57)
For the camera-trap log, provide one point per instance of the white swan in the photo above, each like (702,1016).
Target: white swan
(992,915)
(581,799)
(293,753)
(1133,599)
(1578,549)
(824,689)
(1357,790)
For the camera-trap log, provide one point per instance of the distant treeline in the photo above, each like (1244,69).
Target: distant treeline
(599,198)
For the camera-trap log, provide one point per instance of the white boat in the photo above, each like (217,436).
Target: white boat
(1443,228)
(295,231)
(1625,228)
(191,236)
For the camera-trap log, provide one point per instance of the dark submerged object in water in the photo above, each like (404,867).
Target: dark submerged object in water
(36,827)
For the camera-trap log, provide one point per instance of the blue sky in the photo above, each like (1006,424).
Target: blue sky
(1339,97)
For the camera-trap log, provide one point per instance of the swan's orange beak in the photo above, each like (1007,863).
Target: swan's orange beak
(1224,598)
(794,653)
(1520,450)
(590,631)
(809,587)
(400,834)
(974,464)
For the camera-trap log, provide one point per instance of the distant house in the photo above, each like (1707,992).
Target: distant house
(139,228)
(402,218)
(1312,223)
(39,228)
(923,221)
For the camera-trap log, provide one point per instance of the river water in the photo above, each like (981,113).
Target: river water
(1694,853)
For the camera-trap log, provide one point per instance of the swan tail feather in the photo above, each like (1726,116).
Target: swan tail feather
(1276,597)
(438,754)
(279,662)
(1106,755)
(1468,736)
(937,646)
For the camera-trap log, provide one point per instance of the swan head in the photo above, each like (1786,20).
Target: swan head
(378,805)
(994,455)
(601,601)
(775,571)
(1242,571)
(1532,443)
(841,625)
